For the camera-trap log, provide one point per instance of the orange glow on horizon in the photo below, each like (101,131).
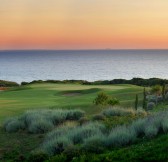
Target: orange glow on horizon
(74,24)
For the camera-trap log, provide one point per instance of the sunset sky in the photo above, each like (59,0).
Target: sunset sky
(83,24)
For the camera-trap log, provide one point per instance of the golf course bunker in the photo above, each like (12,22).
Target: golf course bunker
(71,94)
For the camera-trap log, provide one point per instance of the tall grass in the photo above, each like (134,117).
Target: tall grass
(41,121)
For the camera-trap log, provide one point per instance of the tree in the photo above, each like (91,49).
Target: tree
(144,99)
(136,102)
(163,91)
(157,89)
(104,99)
(101,99)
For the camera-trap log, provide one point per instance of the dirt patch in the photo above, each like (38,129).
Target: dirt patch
(71,94)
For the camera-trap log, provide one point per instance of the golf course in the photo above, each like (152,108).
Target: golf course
(49,98)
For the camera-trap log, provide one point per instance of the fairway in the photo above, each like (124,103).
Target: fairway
(17,100)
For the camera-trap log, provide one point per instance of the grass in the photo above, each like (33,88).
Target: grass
(16,100)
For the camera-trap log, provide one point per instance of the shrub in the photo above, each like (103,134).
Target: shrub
(58,132)
(141,112)
(101,99)
(79,134)
(14,125)
(150,106)
(165,125)
(72,151)
(120,136)
(56,145)
(74,114)
(117,111)
(38,156)
(139,126)
(113,101)
(94,144)
(151,130)
(104,99)
(41,121)
(40,126)
(157,89)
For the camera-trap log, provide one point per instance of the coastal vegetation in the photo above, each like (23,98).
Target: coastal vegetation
(60,122)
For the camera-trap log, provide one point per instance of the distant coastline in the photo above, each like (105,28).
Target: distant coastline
(133,81)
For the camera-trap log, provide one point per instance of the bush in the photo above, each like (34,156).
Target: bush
(74,114)
(117,111)
(104,99)
(139,126)
(41,121)
(141,112)
(40,126)
(79,134)
(113,101)
(165,125)
(157,89)
(94,144)
(150,106)
(72,151)
(56,145)
(120,136)
(151,131)
(38,157)
(101,99)
(13,125)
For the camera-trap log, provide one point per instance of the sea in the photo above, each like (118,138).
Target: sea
(90,65)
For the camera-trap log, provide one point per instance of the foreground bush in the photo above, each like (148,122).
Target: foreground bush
(41,121)
(94,137)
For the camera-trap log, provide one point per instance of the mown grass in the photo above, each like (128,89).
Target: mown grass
(16,100)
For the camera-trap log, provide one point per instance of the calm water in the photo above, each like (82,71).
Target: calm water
(86,65)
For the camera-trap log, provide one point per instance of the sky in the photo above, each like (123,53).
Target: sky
(83,24)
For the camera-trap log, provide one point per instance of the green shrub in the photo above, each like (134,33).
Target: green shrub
(120,136)
(58,132)
(165,125)
(13,125)
(139,126)
(101,99)
(79,134)
(41,121)
(151,131)
(117,111)
(72,151)
(141,112)
(58,158)
(113,101)
(38,157)
(150,106)
(56,145)
(157,90)
(104,99)
(74,114)
(40,126)
(94,144)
